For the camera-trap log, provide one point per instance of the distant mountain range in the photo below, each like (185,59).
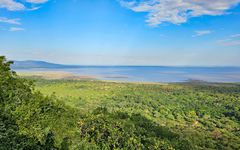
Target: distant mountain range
(37,64)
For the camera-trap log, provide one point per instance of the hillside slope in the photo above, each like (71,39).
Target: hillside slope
(37,64)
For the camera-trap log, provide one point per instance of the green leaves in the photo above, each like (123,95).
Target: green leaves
(121,131)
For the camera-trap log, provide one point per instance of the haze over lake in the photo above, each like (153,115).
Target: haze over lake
(149,74)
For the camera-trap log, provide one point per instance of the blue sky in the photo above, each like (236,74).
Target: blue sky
(122,32)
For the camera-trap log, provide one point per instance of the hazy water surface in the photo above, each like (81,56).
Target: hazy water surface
(152,74)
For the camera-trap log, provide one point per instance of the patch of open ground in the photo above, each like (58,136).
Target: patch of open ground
(55,75)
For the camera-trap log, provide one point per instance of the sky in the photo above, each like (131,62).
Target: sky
(122,32)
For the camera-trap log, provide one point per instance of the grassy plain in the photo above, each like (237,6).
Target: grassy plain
(54,75)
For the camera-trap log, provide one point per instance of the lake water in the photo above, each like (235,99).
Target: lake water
(151,74)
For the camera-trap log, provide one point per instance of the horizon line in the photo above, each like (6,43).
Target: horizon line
(119,65)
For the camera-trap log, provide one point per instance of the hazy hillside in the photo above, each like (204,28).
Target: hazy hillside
(37,64)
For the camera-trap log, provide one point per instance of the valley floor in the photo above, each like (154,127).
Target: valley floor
(202,114)
(68,113)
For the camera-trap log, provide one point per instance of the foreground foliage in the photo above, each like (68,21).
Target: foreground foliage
(104,115)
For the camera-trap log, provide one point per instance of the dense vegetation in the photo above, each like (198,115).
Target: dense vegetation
(104,115)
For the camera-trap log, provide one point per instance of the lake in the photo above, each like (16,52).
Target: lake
(150,73)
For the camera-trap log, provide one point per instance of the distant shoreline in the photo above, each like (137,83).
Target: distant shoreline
(62,75)
(138,74)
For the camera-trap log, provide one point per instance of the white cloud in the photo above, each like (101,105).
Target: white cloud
(202,32)
(10,21)
(14,29)
(33,8)
(11,5)
(232,40)
(178,11)
(14,5)
(229,42)
(37,1)
(235,35)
